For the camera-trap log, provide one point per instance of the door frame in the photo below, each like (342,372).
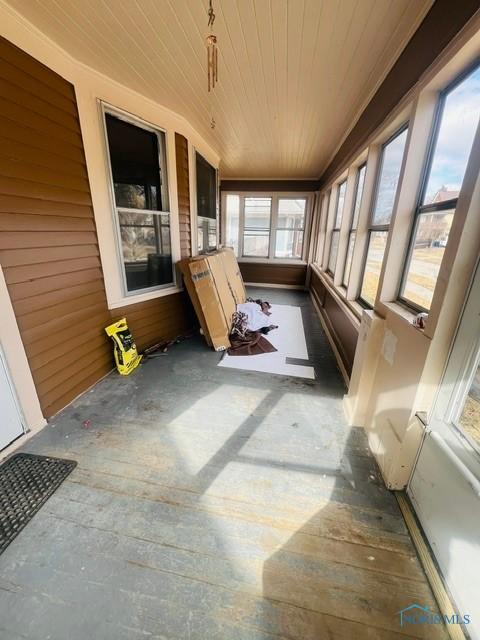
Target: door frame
(18,369)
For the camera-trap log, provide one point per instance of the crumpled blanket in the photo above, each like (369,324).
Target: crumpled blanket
(250,316)
(252,343)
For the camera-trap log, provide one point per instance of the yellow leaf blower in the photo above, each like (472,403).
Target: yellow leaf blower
(125,350)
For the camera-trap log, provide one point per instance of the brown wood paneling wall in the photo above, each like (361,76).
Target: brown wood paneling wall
(48,243)
(183,186)
(265,273)
(342,330)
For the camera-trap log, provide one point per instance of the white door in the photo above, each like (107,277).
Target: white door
(10,421)
(445,485)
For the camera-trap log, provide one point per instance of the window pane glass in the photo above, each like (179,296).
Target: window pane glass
(256,237)
(134,158)
(458,124)
(256,243)
(348,259)
(469,419)
(388,181)
(332,258)
(340,202)
(289,243)
(291,213)
(206,234)
(146,250)
(232,221)
(373,266)
(358,195)
(429,244)
(206,188)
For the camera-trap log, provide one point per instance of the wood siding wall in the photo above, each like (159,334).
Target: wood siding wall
(269,273)
(183,186)
(343,331)
(156,320)
(48,243)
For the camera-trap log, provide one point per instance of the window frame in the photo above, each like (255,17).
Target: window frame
(351,229)
(336,229)
(275,197)
(165,198)
(385,228)
(445,205)
(195,227)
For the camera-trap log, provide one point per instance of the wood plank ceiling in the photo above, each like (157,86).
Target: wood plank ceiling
(293,74)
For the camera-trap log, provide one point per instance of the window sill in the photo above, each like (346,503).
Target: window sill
(404,313)
(144,297)
(355,309)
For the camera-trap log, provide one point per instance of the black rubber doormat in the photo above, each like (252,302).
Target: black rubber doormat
(26,483)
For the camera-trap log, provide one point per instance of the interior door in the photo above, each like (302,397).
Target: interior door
(445,485)
(10,421)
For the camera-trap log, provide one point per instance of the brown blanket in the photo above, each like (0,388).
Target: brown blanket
(252,343)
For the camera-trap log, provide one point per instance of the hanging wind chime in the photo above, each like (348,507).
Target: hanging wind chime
(212,52)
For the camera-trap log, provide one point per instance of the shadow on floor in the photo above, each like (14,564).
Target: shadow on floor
(212,504)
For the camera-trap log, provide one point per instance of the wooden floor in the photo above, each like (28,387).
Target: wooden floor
(213,504)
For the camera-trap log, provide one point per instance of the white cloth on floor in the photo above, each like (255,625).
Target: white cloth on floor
(256,318)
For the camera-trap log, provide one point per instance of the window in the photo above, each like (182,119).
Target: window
(385,193)
(335,237)
(290,227)
(206,177)
(456,124)
(138,171)
(256,227)
(265,226)
(359,182)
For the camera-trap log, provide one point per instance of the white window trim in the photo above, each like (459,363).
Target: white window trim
(275,196)
(140,295)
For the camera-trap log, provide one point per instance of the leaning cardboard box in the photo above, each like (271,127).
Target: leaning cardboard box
(215,286)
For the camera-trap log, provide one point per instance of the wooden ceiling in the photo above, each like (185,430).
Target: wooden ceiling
(294,75)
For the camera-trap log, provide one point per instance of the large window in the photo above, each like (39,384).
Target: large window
(457,121)
(265,226)
(357,201)
(206,177)
(337,223)
(384,199)
(138,171)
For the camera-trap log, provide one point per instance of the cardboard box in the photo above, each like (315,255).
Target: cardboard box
(215,286)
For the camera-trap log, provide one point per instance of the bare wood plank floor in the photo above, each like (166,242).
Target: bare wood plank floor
(213,504)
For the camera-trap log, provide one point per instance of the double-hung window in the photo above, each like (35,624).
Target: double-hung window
(265,226)
(138,173)
(386,190)
(456,123)
(359,182)
(337,222)
(206,178)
